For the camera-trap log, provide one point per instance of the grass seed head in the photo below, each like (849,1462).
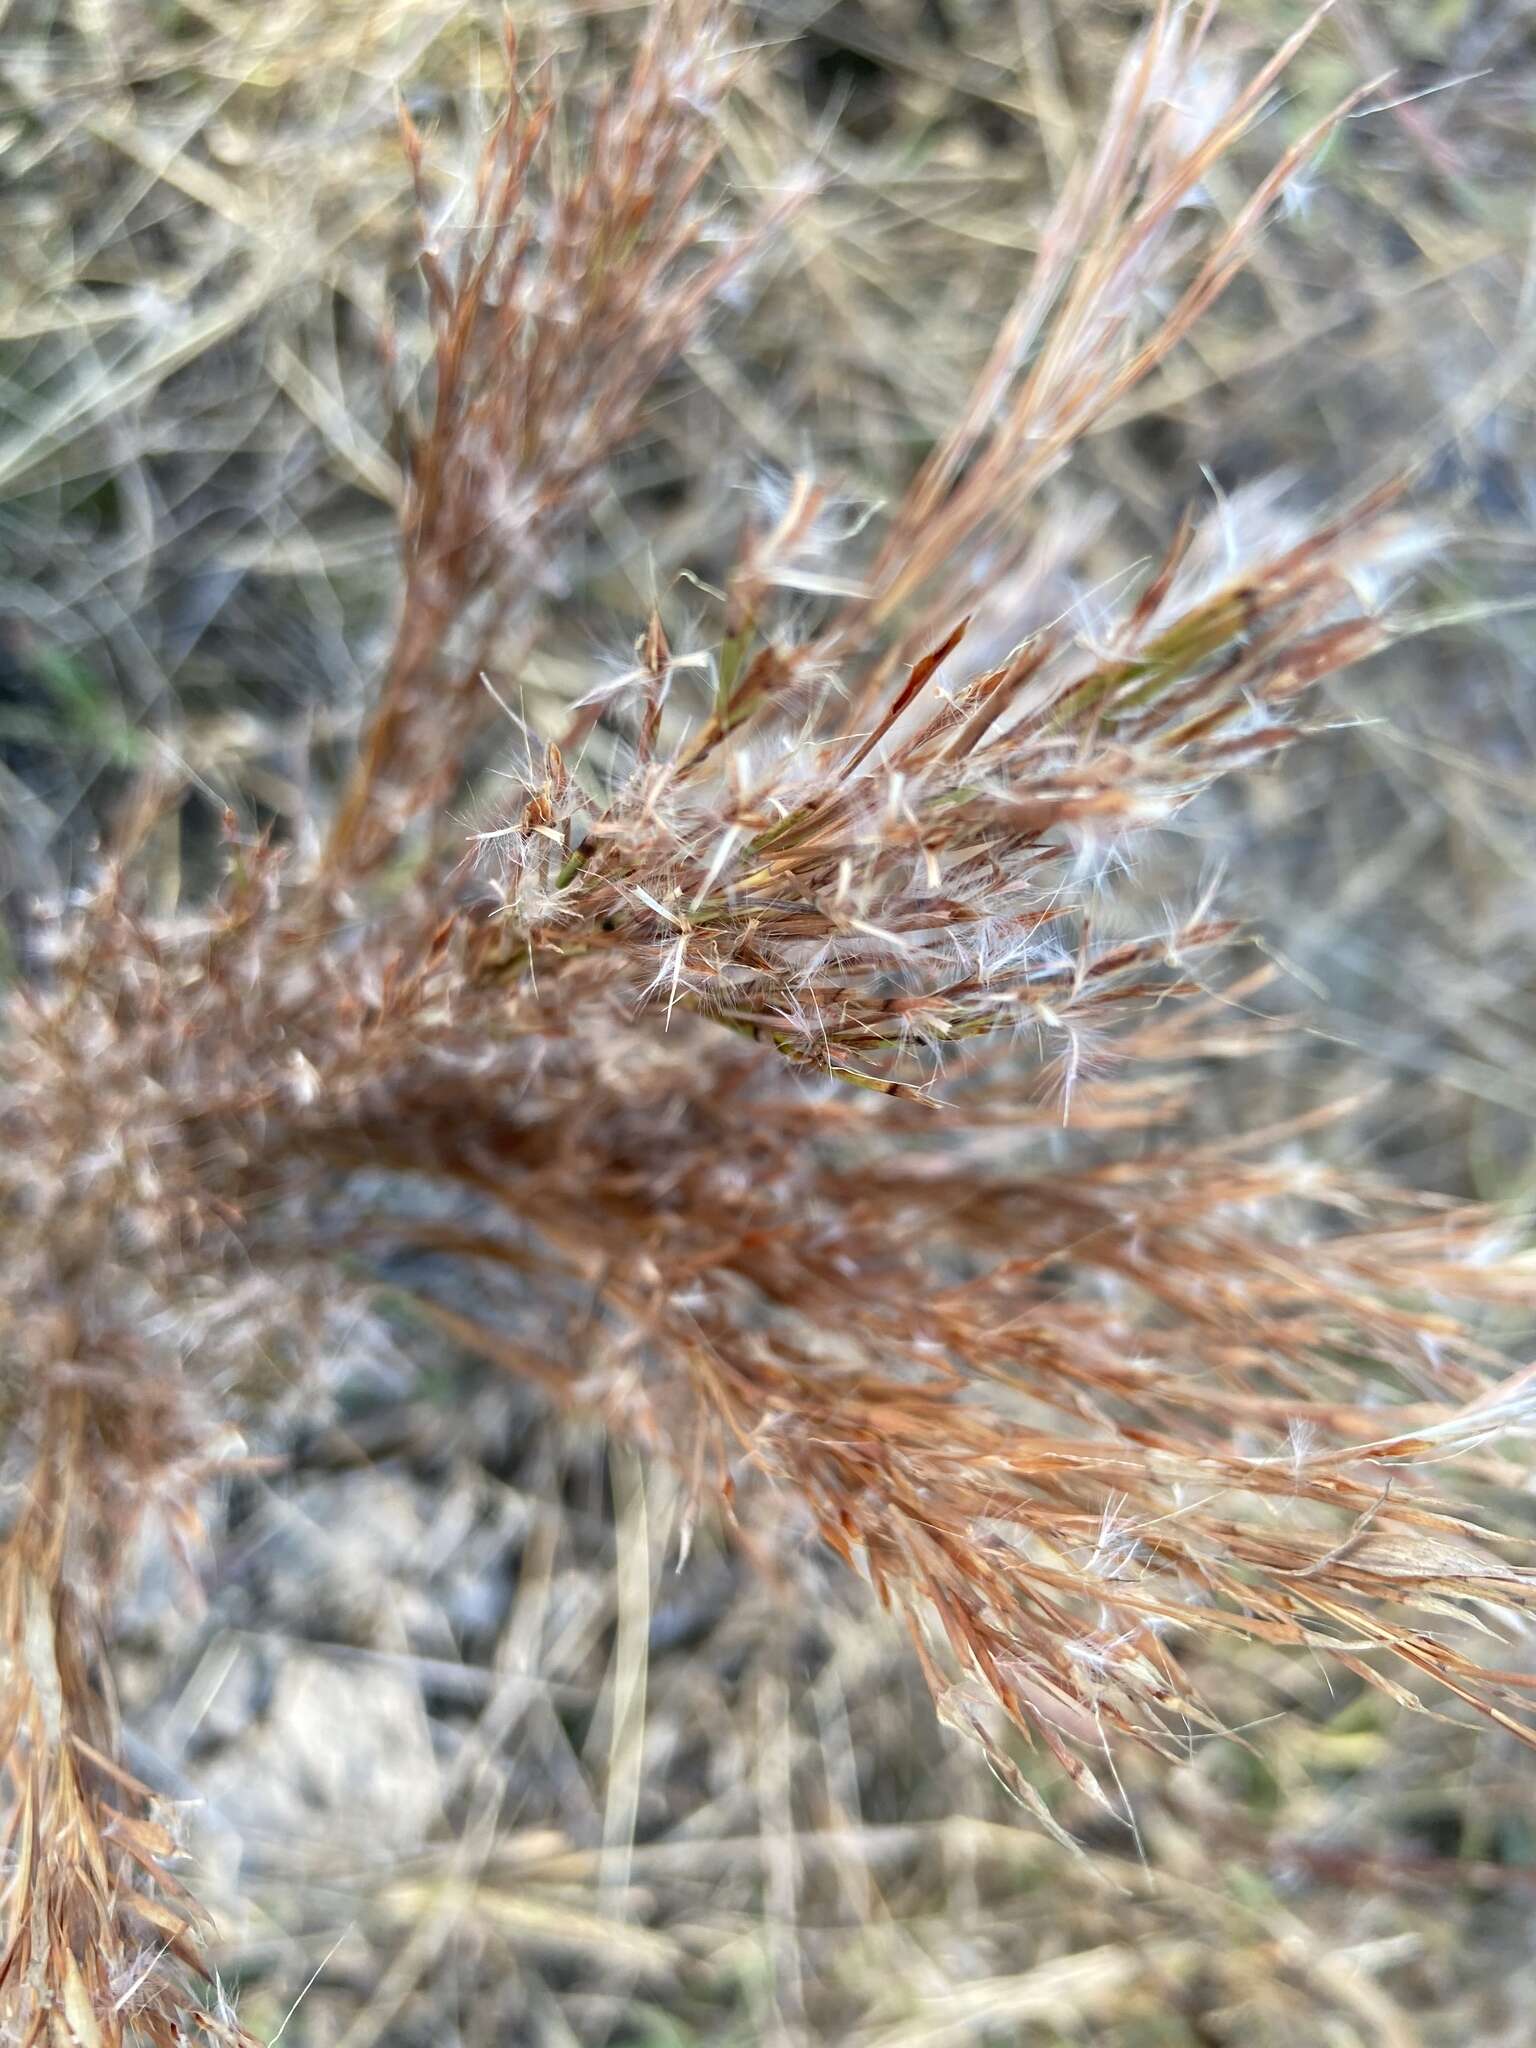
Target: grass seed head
(736,1069)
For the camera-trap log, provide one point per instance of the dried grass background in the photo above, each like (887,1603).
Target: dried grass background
(466,1752)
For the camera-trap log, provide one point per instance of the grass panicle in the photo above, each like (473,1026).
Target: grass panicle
(721,1077)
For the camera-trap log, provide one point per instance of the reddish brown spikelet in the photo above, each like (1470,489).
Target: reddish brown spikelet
(102,1943)
(574,286)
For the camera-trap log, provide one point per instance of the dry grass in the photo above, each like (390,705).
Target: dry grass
(773,1036)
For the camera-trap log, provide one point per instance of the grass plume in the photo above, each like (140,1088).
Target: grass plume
(731,1058)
